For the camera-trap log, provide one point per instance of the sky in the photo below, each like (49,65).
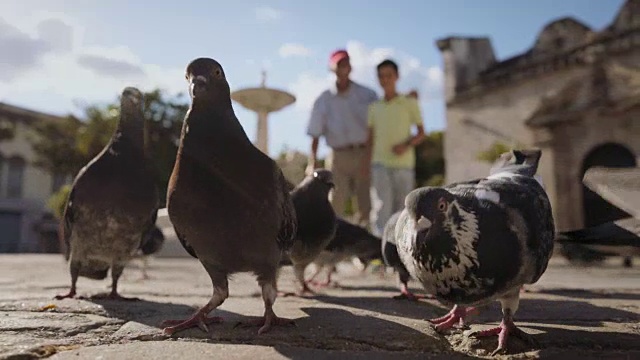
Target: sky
(59,55)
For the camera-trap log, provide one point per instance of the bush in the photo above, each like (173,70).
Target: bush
(58,200)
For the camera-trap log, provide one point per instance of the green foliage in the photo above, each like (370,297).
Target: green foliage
(58,200)
(65,147)
(430,160)
(435,180)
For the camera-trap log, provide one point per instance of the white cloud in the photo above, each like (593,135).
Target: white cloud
(294,50)
(413,75)
(267,13)
(68,69)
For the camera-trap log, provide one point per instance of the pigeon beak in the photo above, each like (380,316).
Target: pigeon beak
(197,85)
(423,224)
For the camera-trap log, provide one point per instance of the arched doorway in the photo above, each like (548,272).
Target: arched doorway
(595,209)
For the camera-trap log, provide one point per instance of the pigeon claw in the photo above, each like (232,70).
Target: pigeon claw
(202,322)
(457,315)
(507,328)
(70,295)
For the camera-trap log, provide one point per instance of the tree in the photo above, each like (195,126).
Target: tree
(430,160)
(55,146)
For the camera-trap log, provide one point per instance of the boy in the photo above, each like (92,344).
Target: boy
(391,154)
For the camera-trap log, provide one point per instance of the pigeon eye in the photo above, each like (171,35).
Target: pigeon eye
(217,72)
(442,205)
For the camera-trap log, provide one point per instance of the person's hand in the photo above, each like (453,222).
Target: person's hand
(400,149)
(413,94)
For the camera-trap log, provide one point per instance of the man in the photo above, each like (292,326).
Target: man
(340,115)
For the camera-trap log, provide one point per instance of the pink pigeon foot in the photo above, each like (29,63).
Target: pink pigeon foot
(506,328)
(457,315)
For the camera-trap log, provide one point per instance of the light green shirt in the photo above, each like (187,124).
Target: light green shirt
(391,123)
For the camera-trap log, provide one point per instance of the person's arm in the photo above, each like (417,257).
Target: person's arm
(414,140)
(315,129)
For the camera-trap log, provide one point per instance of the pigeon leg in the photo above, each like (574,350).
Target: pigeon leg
(200,318)
(116,272)
(315,274)
(405,293)
(456,315)
(298,270)
(269,294)
(507,327)
(145,265)
(74,269)
(327,282)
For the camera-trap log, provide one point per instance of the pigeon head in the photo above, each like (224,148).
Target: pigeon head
(522,161)
(131,103)
(429,207)
(207,80)
(324,176)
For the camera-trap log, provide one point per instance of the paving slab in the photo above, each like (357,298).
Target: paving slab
(572,312)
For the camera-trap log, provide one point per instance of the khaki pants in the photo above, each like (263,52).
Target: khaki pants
(346,166)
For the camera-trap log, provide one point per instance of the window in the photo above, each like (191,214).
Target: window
(15,177)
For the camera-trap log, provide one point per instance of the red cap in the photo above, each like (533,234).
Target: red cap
(336,56)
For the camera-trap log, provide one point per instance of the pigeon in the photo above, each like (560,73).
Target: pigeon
(113,202)
(316,223)
(350,240)
(621,188)
(392,259)
(228,201)
(620,237)
(474,242)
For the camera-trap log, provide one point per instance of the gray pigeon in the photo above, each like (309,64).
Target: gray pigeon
(316,223)
(113,202)
(228,202)
(392,259)
(349,241)
(475,242)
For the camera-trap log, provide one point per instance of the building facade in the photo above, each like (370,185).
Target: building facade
(24,188)
(575,94)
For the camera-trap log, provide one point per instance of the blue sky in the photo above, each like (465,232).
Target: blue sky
(62,54)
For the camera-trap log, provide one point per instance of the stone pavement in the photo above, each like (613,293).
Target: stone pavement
(572,312)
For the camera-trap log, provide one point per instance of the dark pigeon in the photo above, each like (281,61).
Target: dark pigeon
(113,202)
(349,241)
(620,237)
(474,242)
(621,188)
(316,223)
(392,259)
(228,202)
